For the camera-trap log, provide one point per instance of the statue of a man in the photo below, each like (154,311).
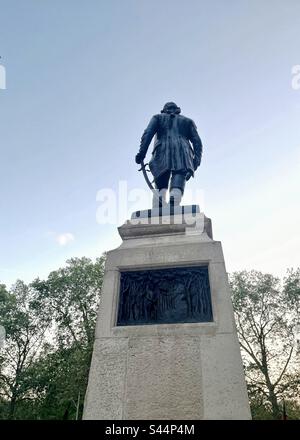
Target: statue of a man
(176,154)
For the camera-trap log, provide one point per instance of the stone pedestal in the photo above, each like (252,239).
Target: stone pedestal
(158,369)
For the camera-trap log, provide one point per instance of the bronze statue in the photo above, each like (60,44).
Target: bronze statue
(176,154)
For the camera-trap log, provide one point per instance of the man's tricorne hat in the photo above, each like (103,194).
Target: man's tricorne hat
(171,104)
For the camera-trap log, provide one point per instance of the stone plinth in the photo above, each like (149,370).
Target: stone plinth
(166,371)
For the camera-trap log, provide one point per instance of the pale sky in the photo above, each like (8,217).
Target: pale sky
(83,80)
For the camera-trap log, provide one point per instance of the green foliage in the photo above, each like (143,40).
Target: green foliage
(26,322)
(71,295)
(50,325)
(261,411)
(59,381)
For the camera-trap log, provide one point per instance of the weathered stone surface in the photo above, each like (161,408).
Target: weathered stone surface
(105,393)
(164,378)
(224,388)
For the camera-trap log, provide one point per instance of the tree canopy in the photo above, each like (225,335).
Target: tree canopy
(49,326)
(267,319)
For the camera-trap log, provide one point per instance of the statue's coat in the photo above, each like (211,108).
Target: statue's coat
(177,145)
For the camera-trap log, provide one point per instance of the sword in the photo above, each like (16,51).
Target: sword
(145,171)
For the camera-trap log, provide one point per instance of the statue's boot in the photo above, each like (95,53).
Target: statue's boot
(176,188)
(159,198)
(175,196)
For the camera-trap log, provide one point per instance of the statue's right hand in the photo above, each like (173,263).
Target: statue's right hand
(139,158)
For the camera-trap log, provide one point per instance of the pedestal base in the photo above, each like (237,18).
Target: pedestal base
(166,370)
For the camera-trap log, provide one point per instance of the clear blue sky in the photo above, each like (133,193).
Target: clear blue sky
(83,79)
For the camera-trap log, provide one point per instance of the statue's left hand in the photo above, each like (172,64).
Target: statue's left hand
(197,161)
(139,158)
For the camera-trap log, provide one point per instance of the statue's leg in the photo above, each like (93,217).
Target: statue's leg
(177,188)
(161,188)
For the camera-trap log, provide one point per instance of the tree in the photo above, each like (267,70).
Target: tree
(26,322)
(72,295)
(267,316)
(50,324)
(59,380)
